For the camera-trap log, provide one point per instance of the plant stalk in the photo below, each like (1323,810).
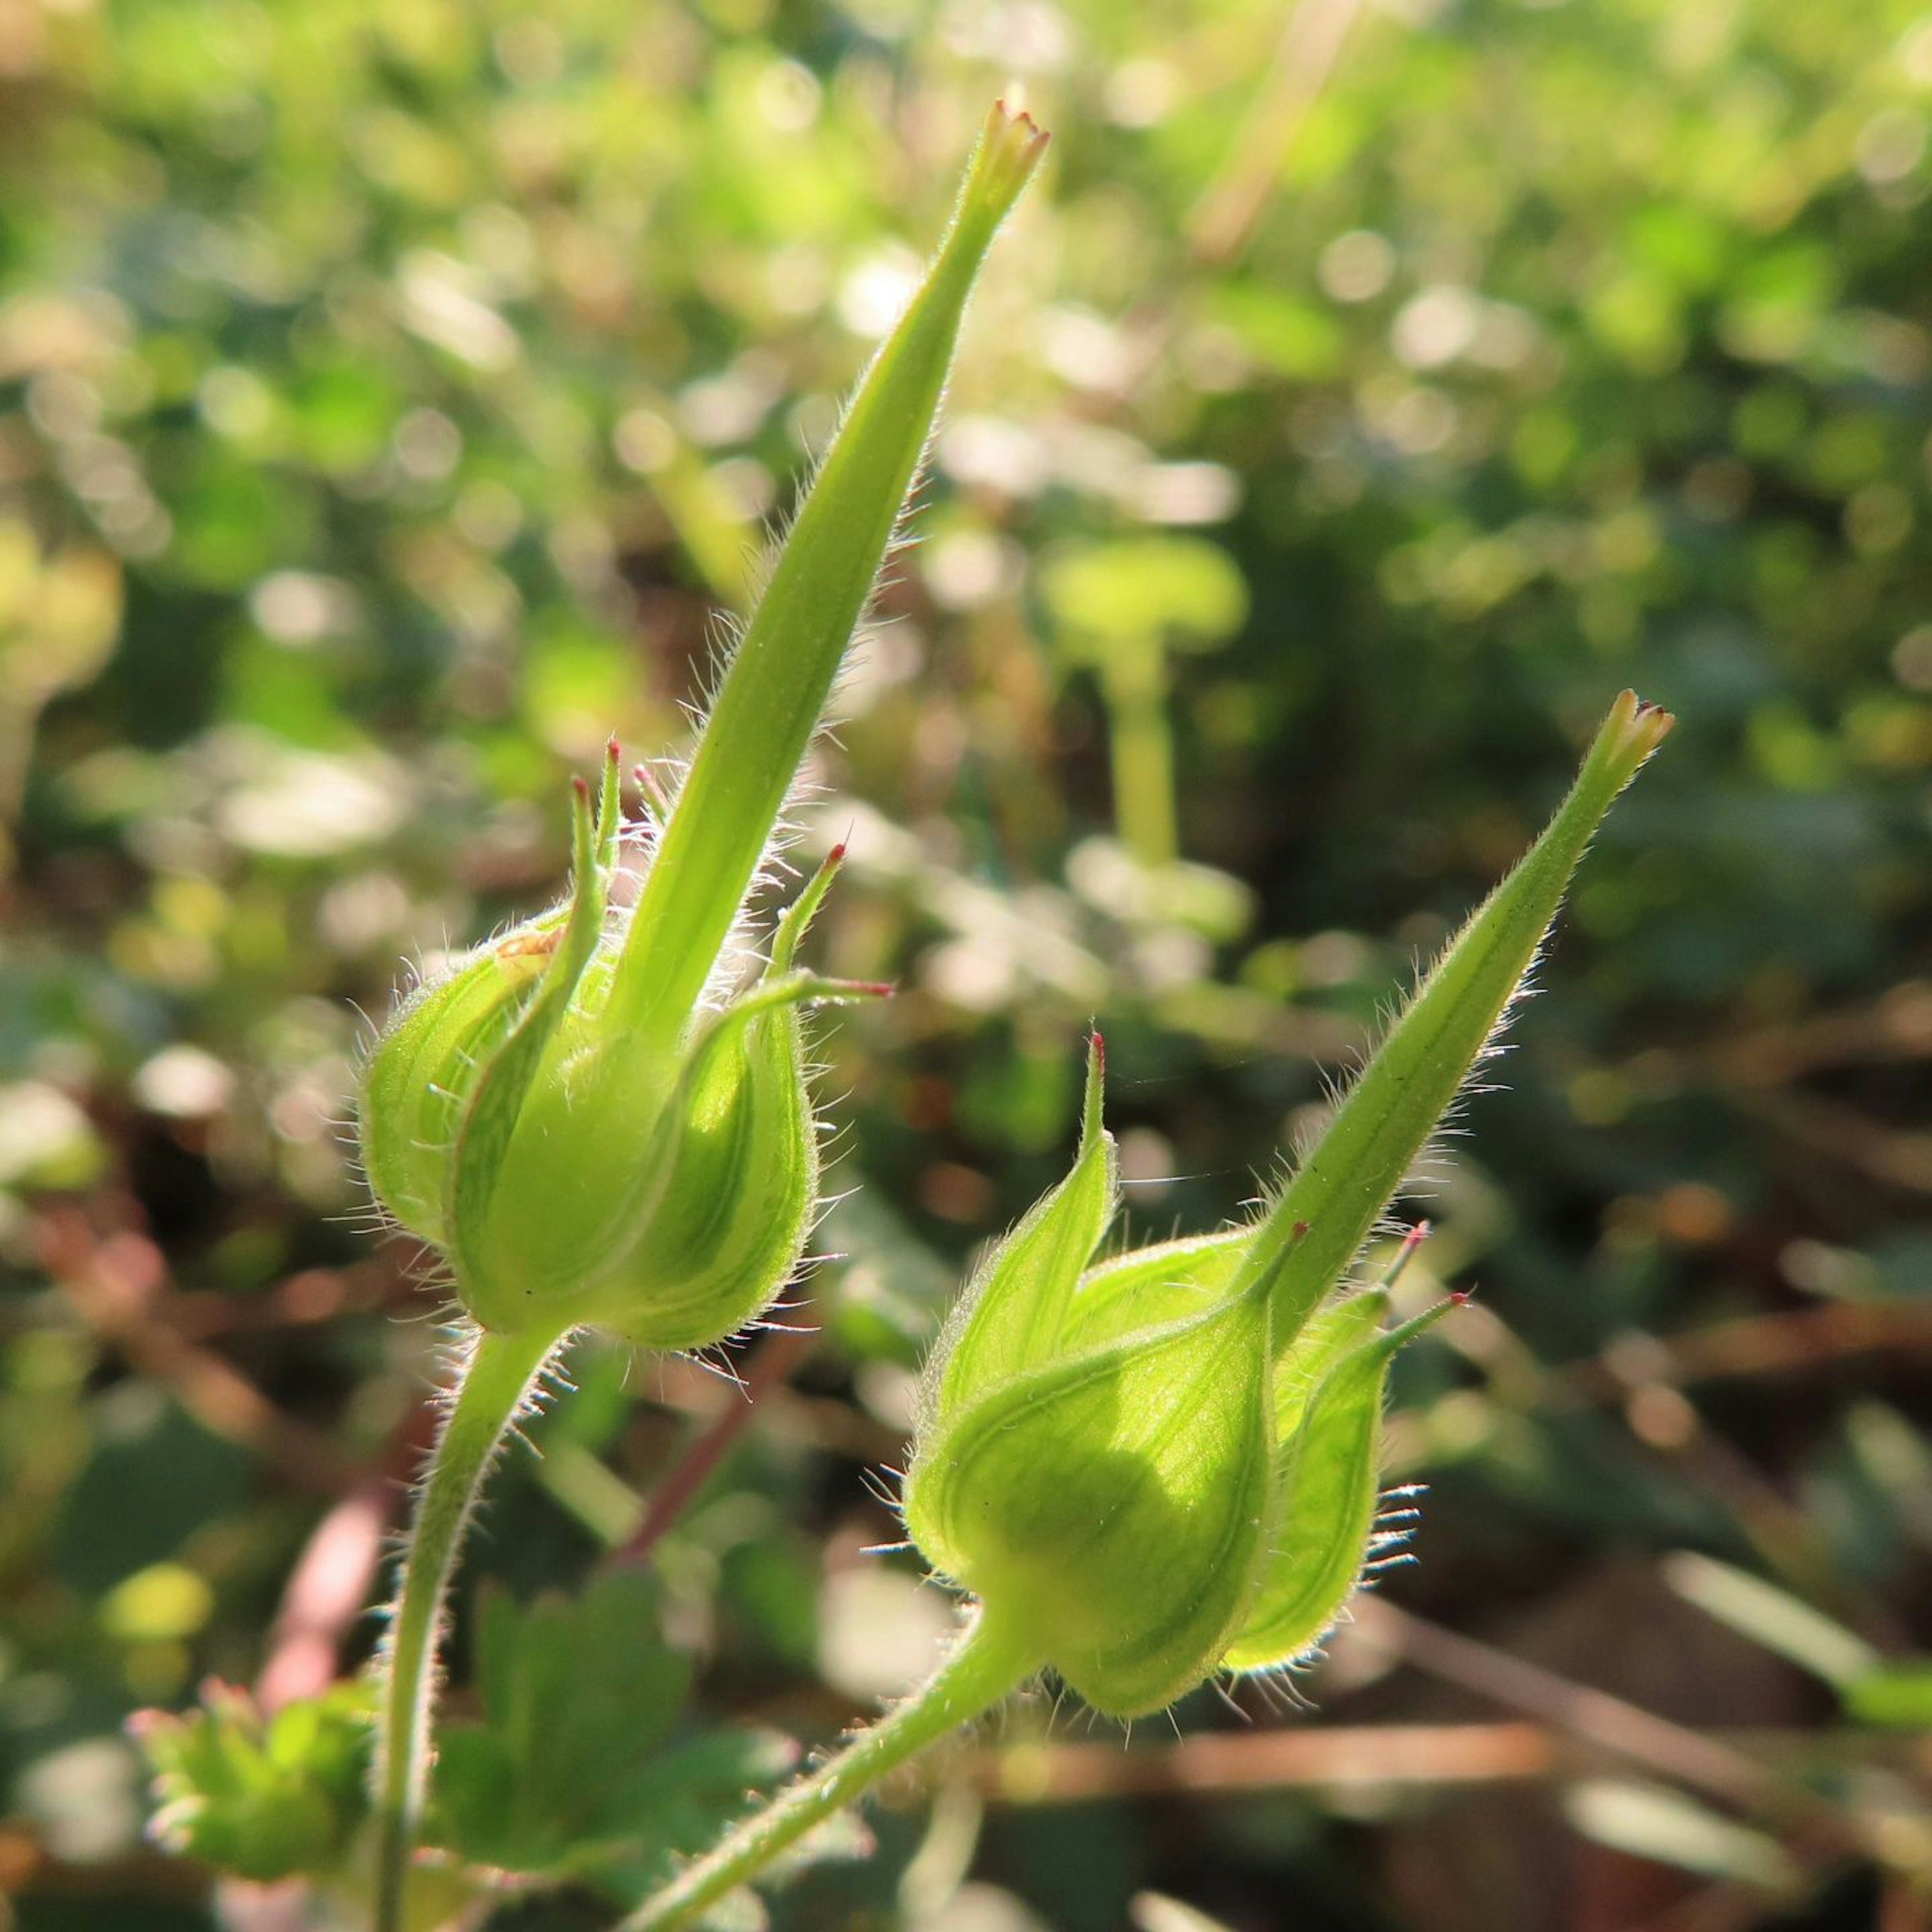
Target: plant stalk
(1133,679)
(492,1386)
(986,1663)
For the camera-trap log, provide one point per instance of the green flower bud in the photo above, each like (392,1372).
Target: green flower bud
(585,1116)
(1118,1458)
(1167,1464)
(570,1181)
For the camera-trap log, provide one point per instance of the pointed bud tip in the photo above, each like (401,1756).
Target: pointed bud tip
(1010,146)
(836,857)
(1636,727)
(613,752)
(1016,125)
(833,991)
(579,784)
(1096,1044)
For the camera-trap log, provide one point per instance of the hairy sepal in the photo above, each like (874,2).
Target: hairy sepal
(1327,1479)
(1114,1507)
(1012,1315)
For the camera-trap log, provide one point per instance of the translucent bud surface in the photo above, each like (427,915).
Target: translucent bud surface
(1167,1464)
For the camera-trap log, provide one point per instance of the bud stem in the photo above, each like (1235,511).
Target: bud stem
(492,1387)
(982,1667)
(783,669)
(1320,1221)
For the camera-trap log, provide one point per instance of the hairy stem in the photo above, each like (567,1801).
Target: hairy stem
(492,1386)
(986,1663)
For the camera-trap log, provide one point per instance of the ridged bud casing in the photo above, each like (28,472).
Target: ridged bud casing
(1118,1462)
(1167,1464)
(507,1122)
(568,1115)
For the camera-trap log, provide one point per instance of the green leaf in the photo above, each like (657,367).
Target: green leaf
(1649,1821)
(1894,1697)
(578,1696)
(1181,590)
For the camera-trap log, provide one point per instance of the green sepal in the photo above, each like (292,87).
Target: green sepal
(733,1165)
(1150,1287)
(502,1087)
(1327,1478)
(1011,1317)
(421,1073)
(1114,1507)
(464,1042)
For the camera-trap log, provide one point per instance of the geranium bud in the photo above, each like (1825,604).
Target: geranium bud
(588,1116)
(1113,1458)
(265,1797)
(705,1181)
(1167,1464)
(1106,1497)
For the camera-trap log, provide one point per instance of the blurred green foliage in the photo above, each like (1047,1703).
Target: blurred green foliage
(392,401)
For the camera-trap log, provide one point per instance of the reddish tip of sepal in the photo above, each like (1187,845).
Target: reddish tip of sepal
(579,784)
(1462,1296)
(613,751)
(1096,1044)
(836,857)
(1023,119)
